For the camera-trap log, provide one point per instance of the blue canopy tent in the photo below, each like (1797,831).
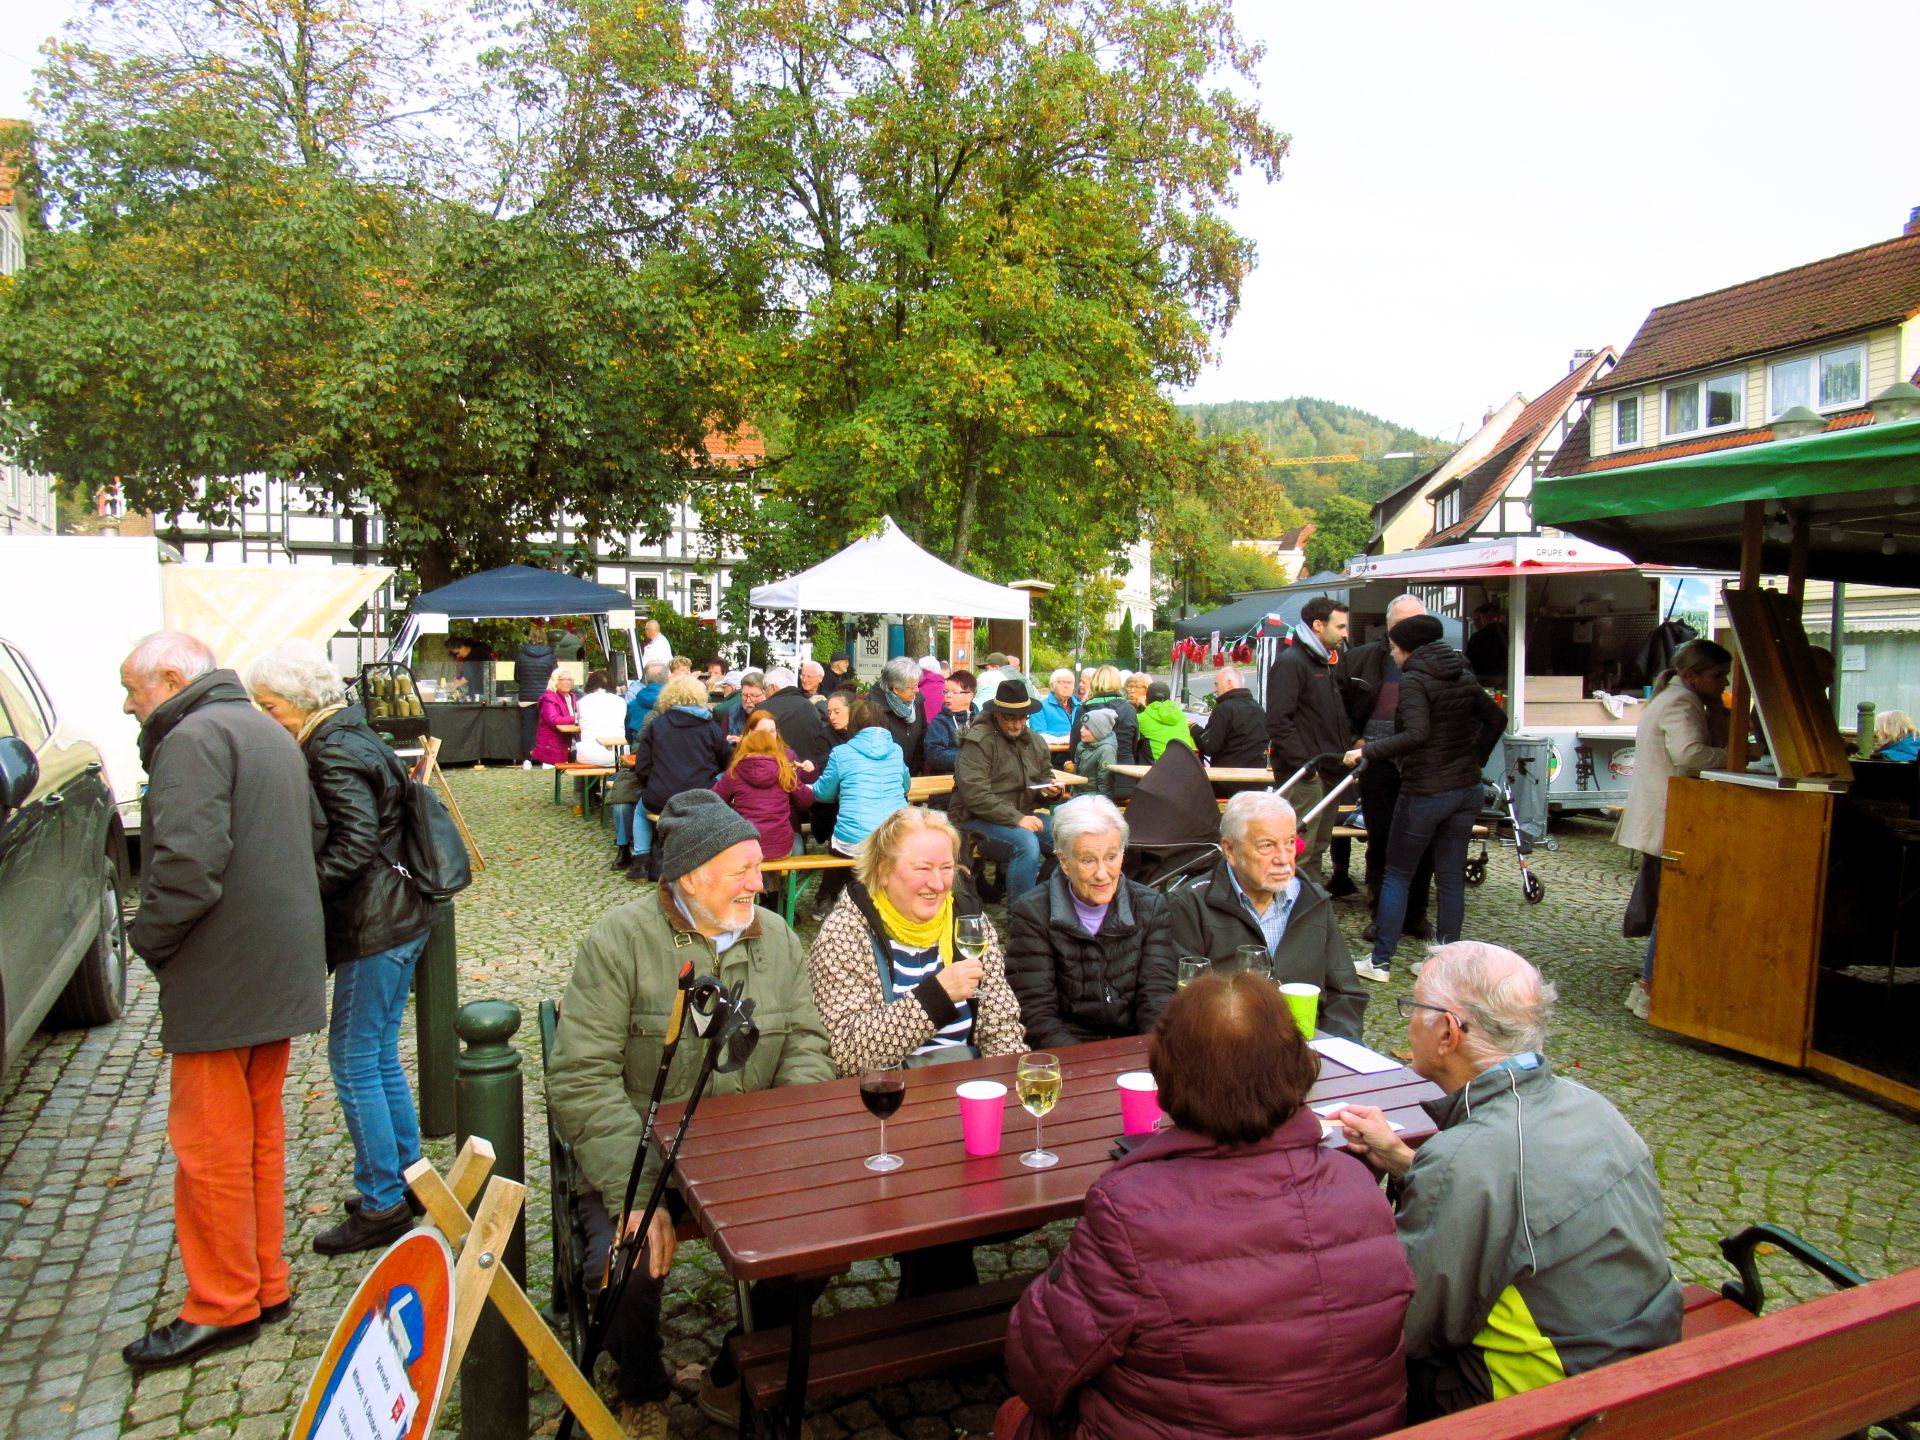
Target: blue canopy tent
(519,592)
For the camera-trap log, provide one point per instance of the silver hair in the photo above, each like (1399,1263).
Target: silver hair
(899,673)
(1408,604)
(175,650)
(653,674)
(299,672)
(1061,674)
(1088,815)
(1503,999)
(813,667)
(780,678)
(1251,805)
(1226,678)
(755,678)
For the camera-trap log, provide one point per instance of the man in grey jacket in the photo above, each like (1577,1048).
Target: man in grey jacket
(1533,1220)
(230,922)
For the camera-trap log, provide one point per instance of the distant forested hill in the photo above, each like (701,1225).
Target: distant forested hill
(1305,426)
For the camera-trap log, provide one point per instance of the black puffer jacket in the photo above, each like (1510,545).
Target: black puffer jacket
(909,735)
(1305,713)
(532,668)
(368,906)
(683,749)
(1236,733)
(1073,986)
(1445,726)
(803,726)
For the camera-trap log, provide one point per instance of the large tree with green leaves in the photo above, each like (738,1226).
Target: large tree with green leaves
(991,231)
(274,245)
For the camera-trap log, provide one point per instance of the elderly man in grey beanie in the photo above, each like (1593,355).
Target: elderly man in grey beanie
(607,1053)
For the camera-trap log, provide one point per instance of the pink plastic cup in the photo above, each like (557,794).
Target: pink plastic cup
(983,1106)
(1139,1102)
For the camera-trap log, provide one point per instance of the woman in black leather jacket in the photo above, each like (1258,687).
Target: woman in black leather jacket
(377,925)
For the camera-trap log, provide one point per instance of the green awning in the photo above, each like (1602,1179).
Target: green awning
(1857,490)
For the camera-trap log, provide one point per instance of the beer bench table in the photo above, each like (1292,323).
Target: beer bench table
(922,788)
(1218,774)
(795,868)
(776,1181)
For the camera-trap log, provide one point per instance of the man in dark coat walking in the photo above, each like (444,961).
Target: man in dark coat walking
(1373,694)
(230,923)
(1236,733)
(1306,717)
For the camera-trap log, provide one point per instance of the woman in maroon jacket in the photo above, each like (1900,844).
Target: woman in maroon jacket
(1232,1276)
(763,783)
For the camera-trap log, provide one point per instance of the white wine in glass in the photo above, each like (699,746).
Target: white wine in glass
(1192,967)
(1037,1082)
(970,936)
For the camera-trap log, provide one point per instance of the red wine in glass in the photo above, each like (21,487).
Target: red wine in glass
(881,1092)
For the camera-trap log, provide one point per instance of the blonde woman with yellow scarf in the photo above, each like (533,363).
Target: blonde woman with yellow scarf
(890,986)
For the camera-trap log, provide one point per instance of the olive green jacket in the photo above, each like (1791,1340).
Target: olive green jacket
(613,1023)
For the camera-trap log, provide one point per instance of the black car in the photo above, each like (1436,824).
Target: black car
(63,864)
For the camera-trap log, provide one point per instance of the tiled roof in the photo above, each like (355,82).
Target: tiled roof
(1574,459)
(1876,285)
(13,154)
(1296,538)
(1482,486)
(743,447)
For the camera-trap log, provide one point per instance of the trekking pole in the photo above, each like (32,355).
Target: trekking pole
(621,1253)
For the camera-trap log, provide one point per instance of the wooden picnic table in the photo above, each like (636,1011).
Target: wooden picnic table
(777,1182)
(1218,774)
(923,788)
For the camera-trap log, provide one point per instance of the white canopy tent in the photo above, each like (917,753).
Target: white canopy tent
(886,573)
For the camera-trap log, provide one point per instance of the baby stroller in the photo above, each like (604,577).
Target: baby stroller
(1500,802)
(1173,822)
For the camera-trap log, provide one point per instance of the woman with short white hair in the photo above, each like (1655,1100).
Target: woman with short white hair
(1055,720)
(377,925)
(1090,954)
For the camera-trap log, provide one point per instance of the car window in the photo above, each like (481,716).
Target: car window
(49,716)
(16,695)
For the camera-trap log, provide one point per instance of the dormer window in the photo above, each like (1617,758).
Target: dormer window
(1829,381)
(1626,420)
(1718,403)
(1446,508)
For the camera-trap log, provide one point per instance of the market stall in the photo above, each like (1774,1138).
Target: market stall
(886,573)
(484,728)
(1790,894)
(1578,617)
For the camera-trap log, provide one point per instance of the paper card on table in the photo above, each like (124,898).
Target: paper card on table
(1355,1057)
(1329,1129)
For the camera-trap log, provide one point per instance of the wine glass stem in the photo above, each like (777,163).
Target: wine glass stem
(1037,1146)
(883,1134)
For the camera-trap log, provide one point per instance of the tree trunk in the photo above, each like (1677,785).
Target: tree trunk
(435,565)
(970,462)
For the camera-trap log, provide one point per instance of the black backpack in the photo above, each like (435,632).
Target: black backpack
(433,853)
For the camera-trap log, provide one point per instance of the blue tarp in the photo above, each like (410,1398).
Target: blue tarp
(1240,617)
(518,592)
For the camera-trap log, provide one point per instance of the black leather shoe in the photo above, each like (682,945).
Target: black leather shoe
(177,1343)
(352,1204)
(622,858)
(641,868)
(1341,885)
(274,1314)
(365,1230)
(1418,930)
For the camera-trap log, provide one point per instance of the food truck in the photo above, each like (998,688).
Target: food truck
(1578,619)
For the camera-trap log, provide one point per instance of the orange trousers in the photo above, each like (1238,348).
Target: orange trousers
(229,1139)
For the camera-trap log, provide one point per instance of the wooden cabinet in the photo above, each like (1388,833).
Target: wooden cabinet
(1741,900)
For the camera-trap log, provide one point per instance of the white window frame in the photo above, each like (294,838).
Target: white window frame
(1446,509)
(1699,386)
(1620,441)
(1817,357)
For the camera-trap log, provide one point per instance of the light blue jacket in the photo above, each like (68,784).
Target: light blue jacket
(868,777)
(1055,721)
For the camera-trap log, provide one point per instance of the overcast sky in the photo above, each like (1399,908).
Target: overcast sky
(1478,189)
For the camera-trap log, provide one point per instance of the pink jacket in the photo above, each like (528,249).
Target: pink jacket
(933,694)
(1222,1291)
(753,789)
(549,745)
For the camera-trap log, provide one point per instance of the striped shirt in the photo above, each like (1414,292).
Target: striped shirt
(910,967)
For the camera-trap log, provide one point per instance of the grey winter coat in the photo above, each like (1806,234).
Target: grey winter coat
(1073,986)
(1535,1229)
(230,916)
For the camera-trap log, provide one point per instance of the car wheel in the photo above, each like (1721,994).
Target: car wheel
(98,989)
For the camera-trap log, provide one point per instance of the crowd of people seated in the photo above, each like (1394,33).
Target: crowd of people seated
(1232,1275)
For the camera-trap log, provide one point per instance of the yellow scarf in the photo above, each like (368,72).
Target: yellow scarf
(918,934)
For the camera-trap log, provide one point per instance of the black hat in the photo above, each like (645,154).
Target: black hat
(695,826)
(1416,630)
(1013,698)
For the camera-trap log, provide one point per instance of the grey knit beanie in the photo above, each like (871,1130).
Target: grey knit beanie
(695,826)
(1100,722)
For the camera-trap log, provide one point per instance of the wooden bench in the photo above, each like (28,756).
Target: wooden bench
(858,1349)
(796,866)
(584,776)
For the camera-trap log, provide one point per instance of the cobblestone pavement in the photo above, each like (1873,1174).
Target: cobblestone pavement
(87,1260)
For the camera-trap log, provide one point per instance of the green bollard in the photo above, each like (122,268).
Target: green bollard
(436,993)
(1863,738)
(493,1376)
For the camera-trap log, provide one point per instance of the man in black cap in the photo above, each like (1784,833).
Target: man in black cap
(1002,773)
(607,1052)
(839,675)
(1445,727)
